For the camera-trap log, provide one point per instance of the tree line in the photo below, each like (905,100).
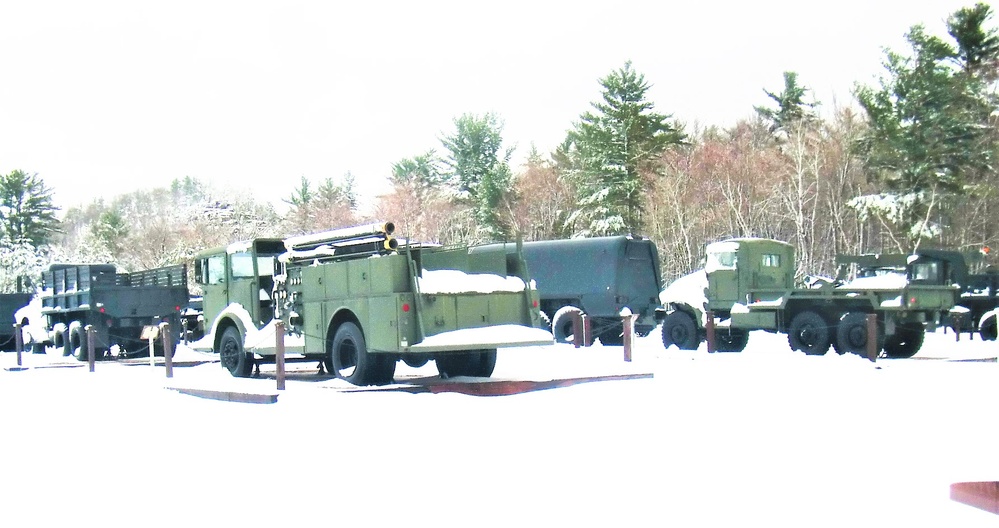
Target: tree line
(910,166)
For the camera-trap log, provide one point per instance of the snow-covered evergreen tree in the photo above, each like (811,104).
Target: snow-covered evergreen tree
(610,149)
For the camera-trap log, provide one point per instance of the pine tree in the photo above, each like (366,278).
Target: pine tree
(26,209)
(610,149)
(479,169)
(929,126)
(791,105)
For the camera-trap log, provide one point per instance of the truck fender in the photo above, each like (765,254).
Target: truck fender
(234,314)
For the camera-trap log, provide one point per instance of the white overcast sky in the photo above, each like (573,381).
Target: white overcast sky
(101,97)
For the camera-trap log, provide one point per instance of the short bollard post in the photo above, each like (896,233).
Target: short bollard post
(167,349)
(577,330)
(958,323)
(872,337)
(709,328)
(183,330)
(279,352)
(628,326)
(587,330)
(89,329)
(18,342)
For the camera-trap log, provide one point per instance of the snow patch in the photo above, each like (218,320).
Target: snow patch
(455,281)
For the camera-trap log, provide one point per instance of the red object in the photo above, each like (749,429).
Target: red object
(981,495)
(405,307)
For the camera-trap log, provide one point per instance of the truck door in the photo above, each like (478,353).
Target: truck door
(215,294)
(243,286)
(722,268)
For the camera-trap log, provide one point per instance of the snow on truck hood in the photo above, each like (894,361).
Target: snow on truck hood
(688,289)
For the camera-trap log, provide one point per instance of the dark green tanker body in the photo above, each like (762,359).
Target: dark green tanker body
(599,277)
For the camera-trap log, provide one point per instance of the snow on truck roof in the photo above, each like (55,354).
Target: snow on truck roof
(732,244)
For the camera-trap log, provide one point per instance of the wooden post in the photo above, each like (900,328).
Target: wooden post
(958,324)
(577,330)
(587,330)
(89,330)
(709,328)
(628,324)
(279,352)
(18,342)
(167,349)
(872,337)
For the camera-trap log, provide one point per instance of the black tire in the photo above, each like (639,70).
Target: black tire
(680,329)
(851,334)
(809,333)
(78,342)
(237,361)
(562,323)
(731,340)
(477,364)
(415,360)
(67,345)
(546,322)
(988,329)
(351,360)
(906,341)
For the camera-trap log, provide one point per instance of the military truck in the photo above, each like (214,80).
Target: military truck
(9,304)
(118,305)
(749,284)
(598,277)
(358,302)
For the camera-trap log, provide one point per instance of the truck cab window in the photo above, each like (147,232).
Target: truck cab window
(926,272)
(725,260)
(216,270)
(242,265)
(771,261)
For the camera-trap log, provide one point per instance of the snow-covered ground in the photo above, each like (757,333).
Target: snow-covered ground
(767,437)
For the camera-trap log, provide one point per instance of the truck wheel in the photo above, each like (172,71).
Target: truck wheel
(988,328)
(562,323)
(905,342)
(680,329)
(851,334)
(67,345)
(75,340)
(237,361)
(352,361)
(546,322)
(78,341)
(479,364)
(731,340)
(809,333)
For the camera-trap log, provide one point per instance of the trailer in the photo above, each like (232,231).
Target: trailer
(117,305)
(357,302)
(749,284)
(596,277)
